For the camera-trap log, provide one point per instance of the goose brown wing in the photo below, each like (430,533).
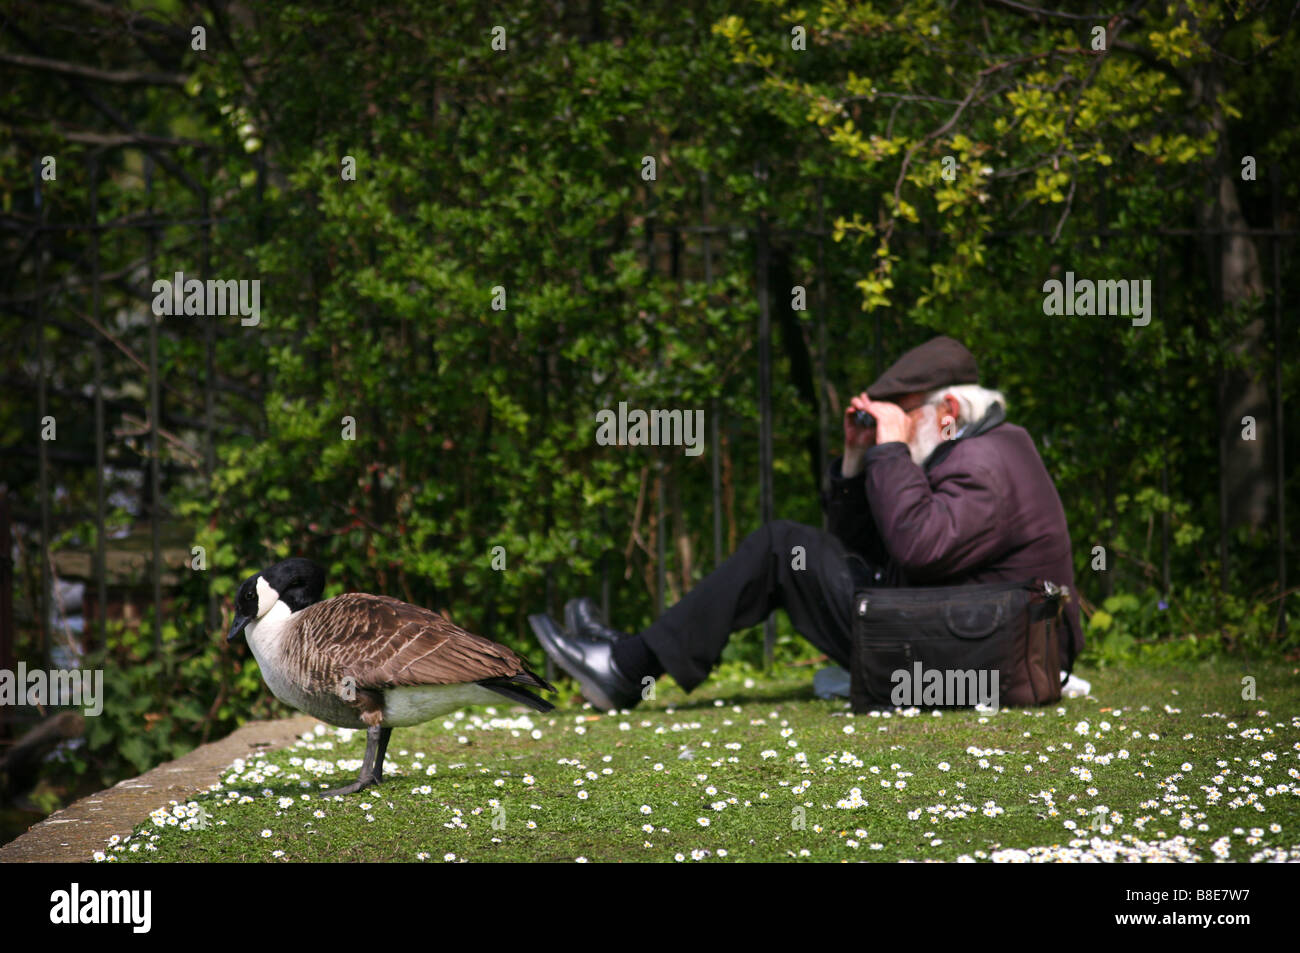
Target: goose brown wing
(384,642)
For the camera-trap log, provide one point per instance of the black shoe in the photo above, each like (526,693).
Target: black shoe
(591,662)
(582,617)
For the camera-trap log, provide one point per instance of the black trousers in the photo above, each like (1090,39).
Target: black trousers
(784,565)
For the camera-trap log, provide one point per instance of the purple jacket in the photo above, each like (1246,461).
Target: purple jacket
(983,509)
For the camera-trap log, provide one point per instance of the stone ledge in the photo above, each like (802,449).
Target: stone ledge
(73,834)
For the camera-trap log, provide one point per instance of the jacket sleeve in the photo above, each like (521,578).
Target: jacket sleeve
(937,526)
(849,517)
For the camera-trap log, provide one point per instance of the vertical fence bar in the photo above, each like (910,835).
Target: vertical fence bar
(684,564)
(544,377)
(1278,433)
(1108,467)
(43,460)
(155,448)
(765,492)
(7,661)
(209,333)
(715,405)
(209,427)
(210,376)
(661,555)
(715,449)
(101,561)
(823,411)
(658,465)
(604,567)
(1159,305)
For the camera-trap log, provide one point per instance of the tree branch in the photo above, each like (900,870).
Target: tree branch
(121,77)
(1039,11)
(110,140)
(130,19)
(116,118)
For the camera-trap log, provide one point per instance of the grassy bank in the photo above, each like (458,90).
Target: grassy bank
(1170,763)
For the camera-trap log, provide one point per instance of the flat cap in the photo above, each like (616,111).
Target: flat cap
(939,362)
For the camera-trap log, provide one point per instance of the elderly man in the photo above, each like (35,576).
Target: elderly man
(941,491)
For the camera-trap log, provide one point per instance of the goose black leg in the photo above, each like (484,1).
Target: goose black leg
(372,765)
(384,735)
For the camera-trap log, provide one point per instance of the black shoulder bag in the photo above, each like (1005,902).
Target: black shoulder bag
(956,646)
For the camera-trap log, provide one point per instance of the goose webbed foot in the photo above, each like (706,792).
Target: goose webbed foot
(357,785)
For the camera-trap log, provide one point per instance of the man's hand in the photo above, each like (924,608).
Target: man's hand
(892,424)
(856,439)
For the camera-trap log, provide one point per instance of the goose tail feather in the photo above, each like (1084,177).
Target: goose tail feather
(507,687)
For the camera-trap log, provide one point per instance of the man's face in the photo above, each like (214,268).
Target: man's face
(931,425)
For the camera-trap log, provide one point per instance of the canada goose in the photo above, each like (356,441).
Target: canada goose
(363,661)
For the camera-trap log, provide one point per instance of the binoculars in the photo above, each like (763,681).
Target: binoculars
(864,420)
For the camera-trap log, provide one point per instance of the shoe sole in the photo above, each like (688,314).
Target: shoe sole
(541,628)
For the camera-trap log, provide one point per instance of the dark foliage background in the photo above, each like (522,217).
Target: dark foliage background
(478,168)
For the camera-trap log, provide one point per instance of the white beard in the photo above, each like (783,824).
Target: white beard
(926,436)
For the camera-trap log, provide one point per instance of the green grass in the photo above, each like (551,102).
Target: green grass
(673,755)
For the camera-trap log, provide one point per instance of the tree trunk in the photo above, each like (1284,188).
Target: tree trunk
(1246,484)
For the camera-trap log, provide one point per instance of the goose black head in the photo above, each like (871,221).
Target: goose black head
(296,582)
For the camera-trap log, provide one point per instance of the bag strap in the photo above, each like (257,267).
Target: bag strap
(1059,596)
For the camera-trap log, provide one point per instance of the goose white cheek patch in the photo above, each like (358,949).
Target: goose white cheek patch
(266,597)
